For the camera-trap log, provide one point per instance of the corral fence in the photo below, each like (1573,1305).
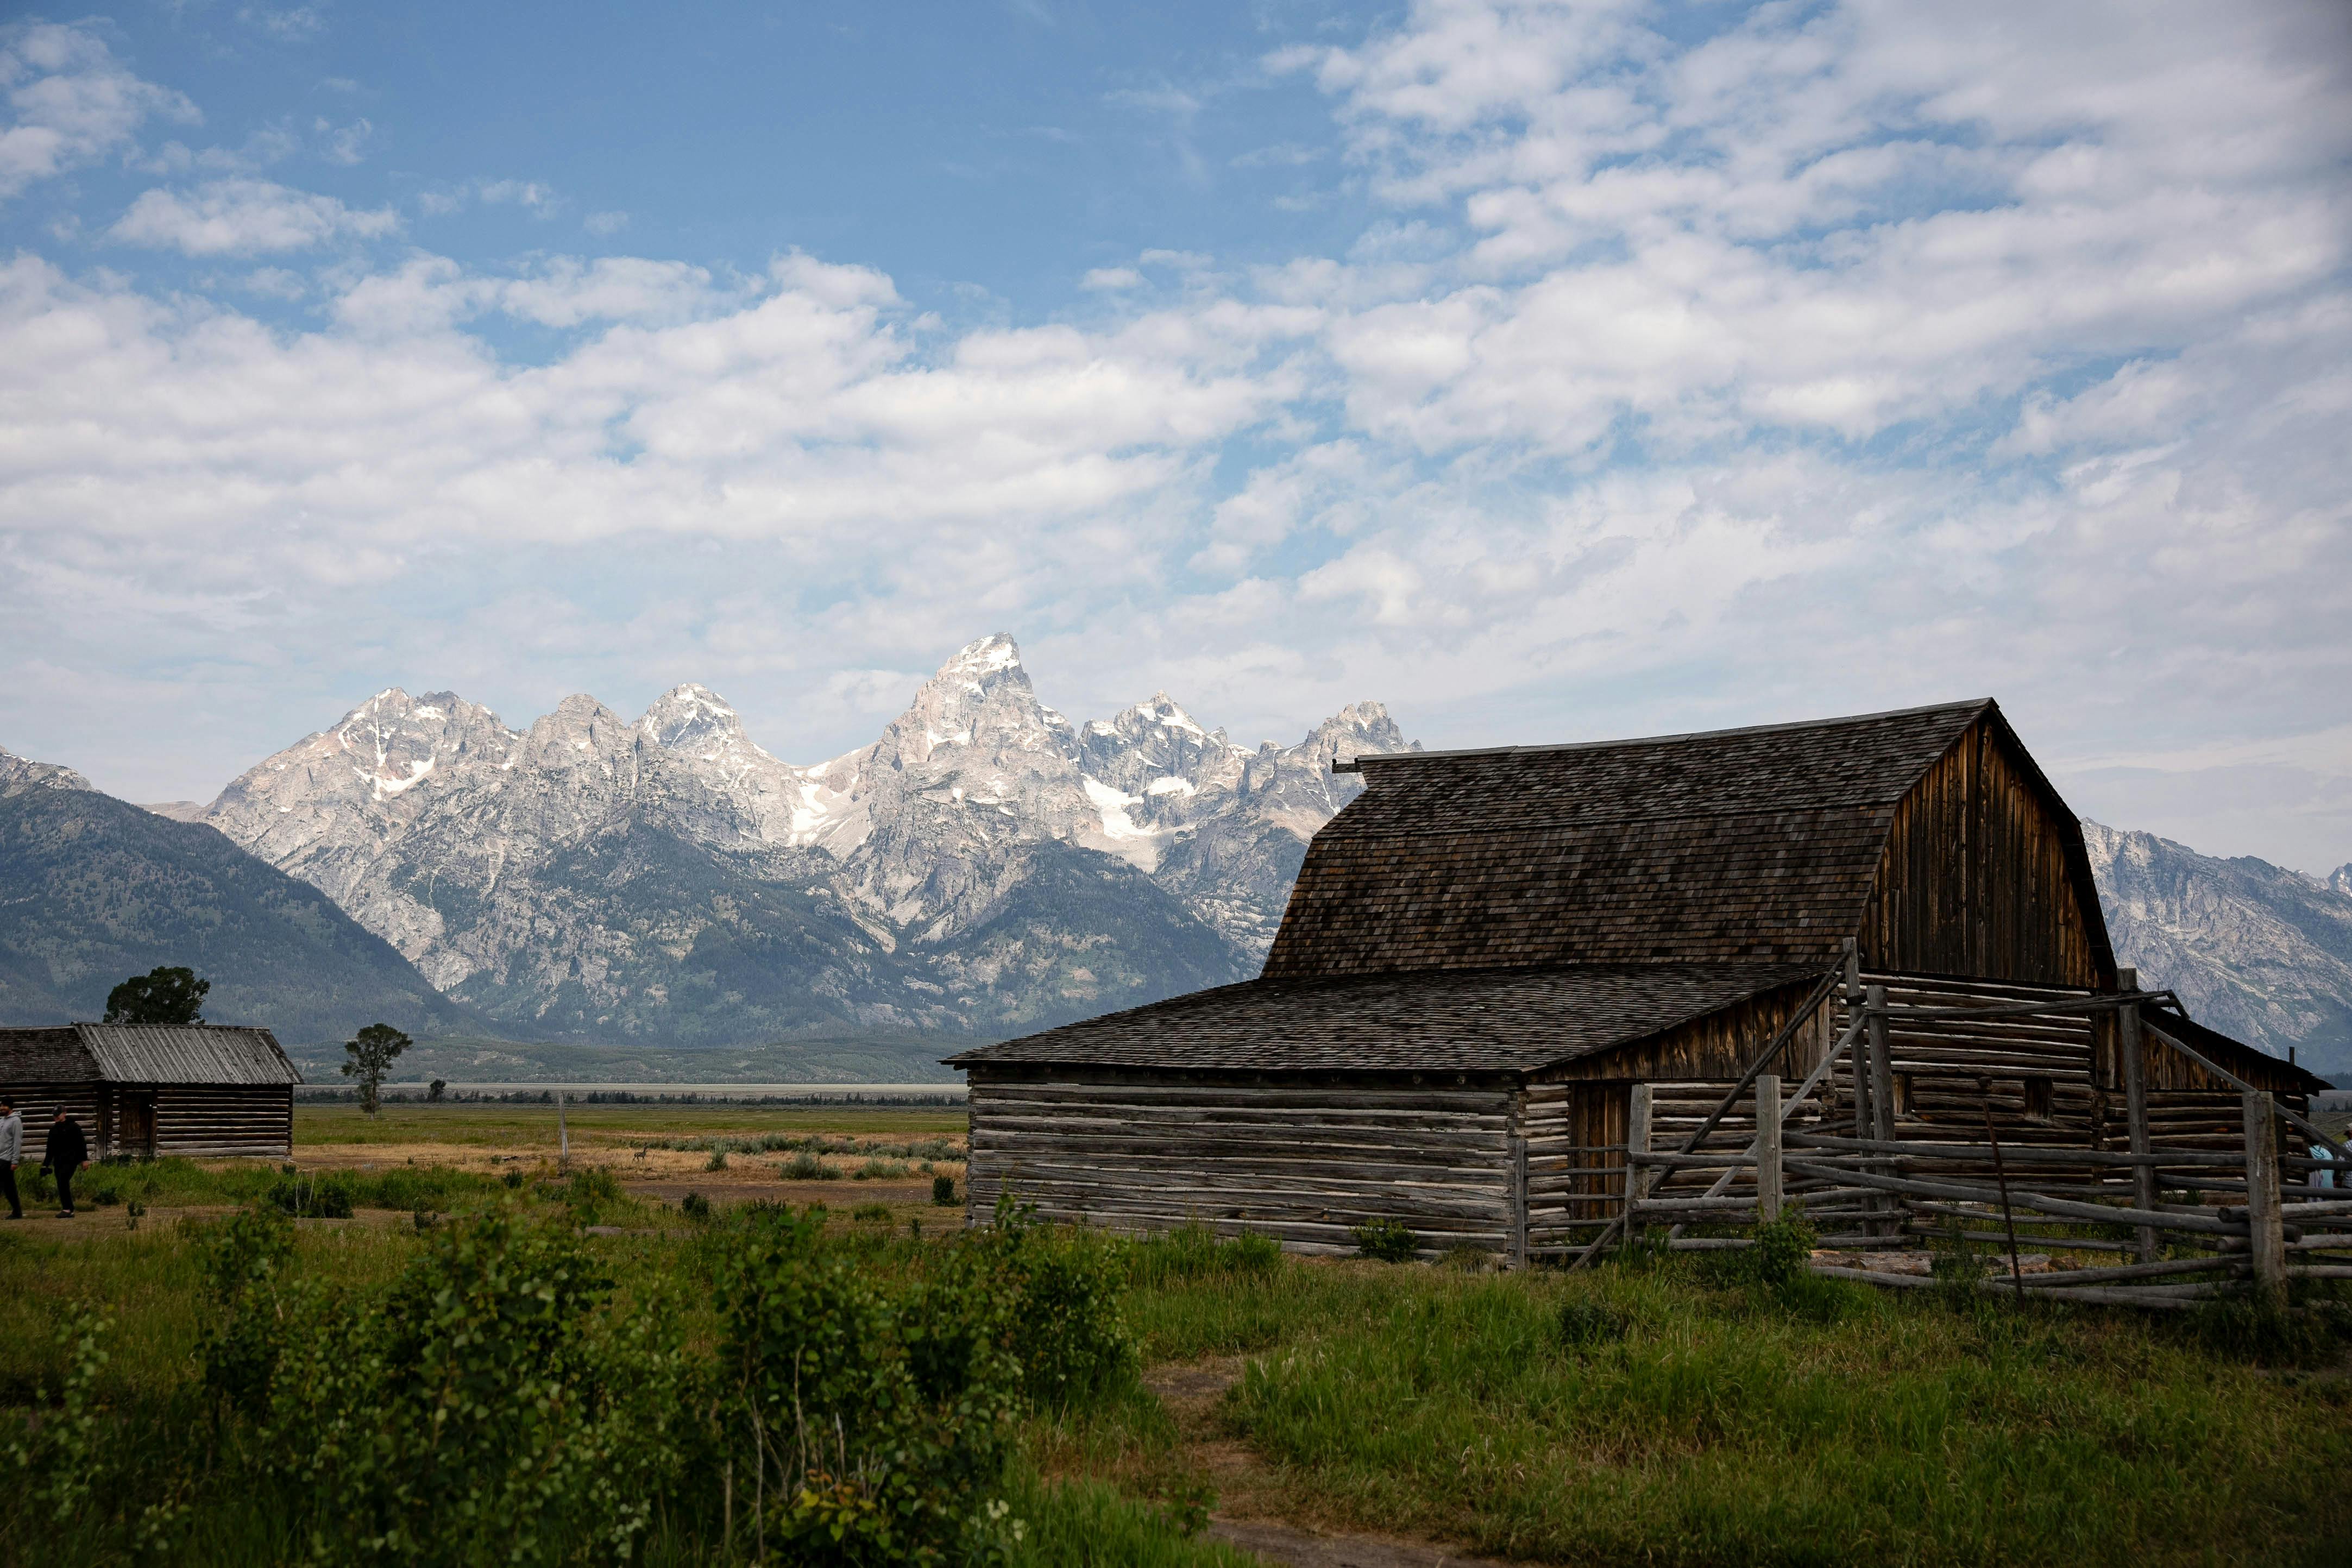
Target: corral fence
(2219,1204)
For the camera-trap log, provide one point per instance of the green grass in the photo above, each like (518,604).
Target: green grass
(1685,1416)
(533,1126)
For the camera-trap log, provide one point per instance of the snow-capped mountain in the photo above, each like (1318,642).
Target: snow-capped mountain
(983,866)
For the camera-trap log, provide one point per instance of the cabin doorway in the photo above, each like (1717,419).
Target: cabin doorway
(134,1123)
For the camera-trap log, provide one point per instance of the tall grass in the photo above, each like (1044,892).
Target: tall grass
(1737,1424)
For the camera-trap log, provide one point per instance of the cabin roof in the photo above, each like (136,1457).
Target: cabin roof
(116,1053)
(2256,1065)
(1479,1020)
(1754,845)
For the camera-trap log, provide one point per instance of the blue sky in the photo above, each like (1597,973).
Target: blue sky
(1546,370)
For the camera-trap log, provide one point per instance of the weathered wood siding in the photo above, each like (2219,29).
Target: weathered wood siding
(1984,875)
(38,1104)
(195,1119)
(1302,1159)
(211,1120)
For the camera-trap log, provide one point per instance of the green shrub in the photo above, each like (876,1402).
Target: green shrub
(555,1422)
(880,1170)
(943,1190)
(513,1181)
(871,1213)
(1389,1241)
(695,1207)
(806,1167)
(593,1192)
(1783,1249)
(1066,1289)
(870,1423)
(718,1161)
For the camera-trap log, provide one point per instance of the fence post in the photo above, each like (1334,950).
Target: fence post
(2135,1070)
(1768,1146)
(1637,1142)
(1519,1198)
(1853,1063)
(1882,1097)
(2265,1225)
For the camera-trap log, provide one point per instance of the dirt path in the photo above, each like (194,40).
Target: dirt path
(1245,1516)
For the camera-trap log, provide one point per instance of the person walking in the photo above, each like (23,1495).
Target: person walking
(69,1151)
(12,1149)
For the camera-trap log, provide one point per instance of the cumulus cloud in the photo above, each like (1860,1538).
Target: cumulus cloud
(70,102)
(1840,357)
(244,217)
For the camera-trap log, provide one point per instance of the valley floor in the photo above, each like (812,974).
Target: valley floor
(1346,1412)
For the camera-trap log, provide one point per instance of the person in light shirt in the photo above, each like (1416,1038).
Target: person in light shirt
(12,1149)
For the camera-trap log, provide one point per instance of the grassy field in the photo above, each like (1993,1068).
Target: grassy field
(1667,1411)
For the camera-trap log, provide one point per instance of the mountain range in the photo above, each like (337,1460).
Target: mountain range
(94,889)
(983,868)
(2255,950)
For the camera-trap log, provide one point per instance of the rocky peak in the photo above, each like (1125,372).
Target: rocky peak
(979,706)
(17,773)
(580,731)
(1297,784)
(694,721)
(2340,880)
(1157,749)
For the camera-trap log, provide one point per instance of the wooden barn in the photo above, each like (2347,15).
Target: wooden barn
(1486,951)
(139,1092)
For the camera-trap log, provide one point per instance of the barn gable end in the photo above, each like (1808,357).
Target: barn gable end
(1983,874)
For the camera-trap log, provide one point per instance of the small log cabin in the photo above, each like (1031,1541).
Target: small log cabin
(1486,950)
(139,1092)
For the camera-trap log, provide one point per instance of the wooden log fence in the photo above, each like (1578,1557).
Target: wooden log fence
(2254,1218)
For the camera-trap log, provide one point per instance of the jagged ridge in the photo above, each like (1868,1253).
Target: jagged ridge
(984,866)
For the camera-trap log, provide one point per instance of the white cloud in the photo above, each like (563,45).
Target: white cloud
(244,217)
(287,25)
(1850,357)
(604,223)
(70,102)
(530,195)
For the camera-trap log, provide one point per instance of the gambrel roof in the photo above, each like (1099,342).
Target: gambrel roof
(1738,846)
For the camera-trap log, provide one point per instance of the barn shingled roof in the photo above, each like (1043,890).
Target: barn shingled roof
(1491,1020)
(1737,846)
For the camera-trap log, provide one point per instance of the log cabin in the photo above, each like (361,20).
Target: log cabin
(1486,950)
(203,1090)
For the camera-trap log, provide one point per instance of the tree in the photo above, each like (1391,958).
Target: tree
(163,998)
(371,1056)
(433,1090)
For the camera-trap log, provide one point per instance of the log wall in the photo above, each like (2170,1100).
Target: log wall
(1302,1158)
(38,1102)
(199,1121)
(212,1120)
(2033,1070)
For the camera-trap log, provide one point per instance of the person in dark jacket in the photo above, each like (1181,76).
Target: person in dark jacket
(69,1151)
